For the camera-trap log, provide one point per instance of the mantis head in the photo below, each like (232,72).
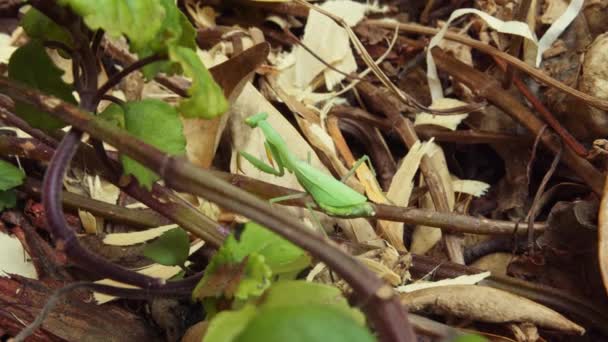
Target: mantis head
(255,119)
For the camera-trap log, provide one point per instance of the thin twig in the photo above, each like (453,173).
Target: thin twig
(489,88)
(521,65)
(568,139)
(536,202)
(401,95)
(115,79)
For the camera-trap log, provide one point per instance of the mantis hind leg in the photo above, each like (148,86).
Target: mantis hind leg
(356,166)
(315,219)
(287,197)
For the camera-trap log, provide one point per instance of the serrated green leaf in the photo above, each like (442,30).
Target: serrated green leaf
(31,65)
(255,280)
(269,255)
(176,30)
(309,323)
(139,20)
(158,124)
(39,26)
(281,295)
(280,255)
(114,114)
(227,325)
(170,249)
(10,176)
(8,199)
(206,97)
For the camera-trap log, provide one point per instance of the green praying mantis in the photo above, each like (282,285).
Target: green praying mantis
(330,194)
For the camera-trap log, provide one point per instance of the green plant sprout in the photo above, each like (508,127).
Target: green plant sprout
(330,194)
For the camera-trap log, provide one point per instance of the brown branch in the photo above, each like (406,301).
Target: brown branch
(489,88)
(483,47)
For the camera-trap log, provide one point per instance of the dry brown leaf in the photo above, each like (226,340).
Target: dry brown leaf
(497,263)
(153,270)
(602,244)
(133,238)
(486,304)
(467,279)
(89,223)
(15,259)
(425,237)
(402,184)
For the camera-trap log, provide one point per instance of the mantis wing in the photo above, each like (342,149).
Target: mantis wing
(325,189)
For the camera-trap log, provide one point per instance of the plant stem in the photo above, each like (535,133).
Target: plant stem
(115,79)
(491,89)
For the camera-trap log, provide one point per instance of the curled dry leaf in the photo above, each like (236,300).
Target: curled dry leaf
(481,303)
(497,263)
(133,238)
(15,259)
(425,237)
(153,270)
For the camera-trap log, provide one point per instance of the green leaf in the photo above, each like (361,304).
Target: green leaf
(282,256)
(255,280)
(39,26)
(232,277)
(31,65)
(175,30)
(8,199)
(139,20)
(170,249)
(158,124)
(114,114)
(226,326)
(281,295)
(304,324)
(10,176)
(267,255)
(206,97)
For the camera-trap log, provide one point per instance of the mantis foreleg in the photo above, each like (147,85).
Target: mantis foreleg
(262,166)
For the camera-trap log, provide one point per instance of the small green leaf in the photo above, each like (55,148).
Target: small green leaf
(114,114)
(139,20)
(10,176)
(268,255)
(281,295)
(31,65)
(206,97)
(39,26)
(310,323)
(170,249)
(8,199)
(227,325)
(175,30)
(158,124)
(255,280)
(282,256)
